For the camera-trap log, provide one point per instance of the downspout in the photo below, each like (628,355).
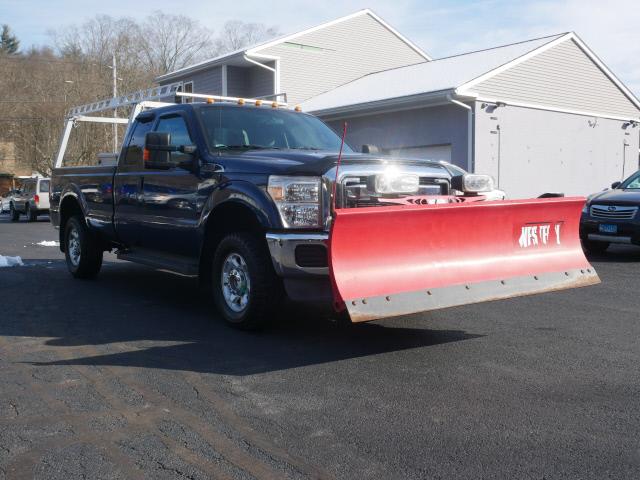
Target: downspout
(469,130)
(276,71)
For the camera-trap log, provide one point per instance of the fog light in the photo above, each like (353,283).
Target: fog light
(396,183)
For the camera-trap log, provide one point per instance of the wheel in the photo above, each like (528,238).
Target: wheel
(30,213)
(590,246)
(246,289)
(15,215)
(82,252)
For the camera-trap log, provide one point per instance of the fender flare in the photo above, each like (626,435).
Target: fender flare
(246,194)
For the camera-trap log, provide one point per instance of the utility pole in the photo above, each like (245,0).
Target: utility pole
(115,94)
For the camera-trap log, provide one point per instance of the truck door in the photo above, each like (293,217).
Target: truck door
(129,208)
(170,196)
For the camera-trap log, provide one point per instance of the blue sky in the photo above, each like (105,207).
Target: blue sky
(611,28)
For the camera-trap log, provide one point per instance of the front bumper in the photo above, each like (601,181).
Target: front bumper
(302,283)
(282,247)
(628,231)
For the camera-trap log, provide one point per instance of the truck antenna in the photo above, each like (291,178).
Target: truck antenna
(333,193)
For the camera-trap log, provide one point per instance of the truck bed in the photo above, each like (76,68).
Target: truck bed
(92,185)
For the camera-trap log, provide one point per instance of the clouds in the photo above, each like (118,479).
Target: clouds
(441,28)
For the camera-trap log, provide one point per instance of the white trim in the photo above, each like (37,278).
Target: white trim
(253,51)
(365,11)
(224,81)
(276,78)
(591,54)
(259,64)
(469,110)
(553,109)
(516,61)
(568,36)
(184,86)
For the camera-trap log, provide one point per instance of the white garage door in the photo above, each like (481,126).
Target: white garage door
(428,152)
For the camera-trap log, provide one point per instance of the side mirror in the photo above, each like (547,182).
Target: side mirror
(615,185)
(158,148)
(371,149)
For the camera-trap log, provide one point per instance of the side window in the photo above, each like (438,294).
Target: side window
(178,132)
(133,155)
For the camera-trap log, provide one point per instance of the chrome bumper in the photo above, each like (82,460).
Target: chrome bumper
(282,247)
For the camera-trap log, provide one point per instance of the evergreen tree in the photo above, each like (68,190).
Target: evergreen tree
(9,43)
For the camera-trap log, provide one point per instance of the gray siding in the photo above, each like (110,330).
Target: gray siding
(444,125)
(261,81)
(237,81)
(205,81)
(340,53)
(531,151)
(563,77)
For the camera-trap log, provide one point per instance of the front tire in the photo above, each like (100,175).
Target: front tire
(82,252)
(246,289)
(590,246)
(15,215)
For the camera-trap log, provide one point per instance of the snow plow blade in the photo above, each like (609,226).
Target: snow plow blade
(398,260)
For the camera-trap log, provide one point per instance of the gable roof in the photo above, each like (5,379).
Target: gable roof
(255,49)
(443,74)
(452,75)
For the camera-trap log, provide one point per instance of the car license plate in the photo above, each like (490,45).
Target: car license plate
(606,228)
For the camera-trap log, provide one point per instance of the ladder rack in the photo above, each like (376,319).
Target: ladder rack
(149,94)
(141,100)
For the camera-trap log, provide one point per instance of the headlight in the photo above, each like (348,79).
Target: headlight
(585,208)
(387,183)
(297,199)
(472,183)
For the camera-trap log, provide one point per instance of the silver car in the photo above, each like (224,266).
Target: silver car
(5,200)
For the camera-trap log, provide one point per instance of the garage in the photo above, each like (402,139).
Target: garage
(544,115)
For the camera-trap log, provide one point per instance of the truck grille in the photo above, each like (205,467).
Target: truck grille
(613,212)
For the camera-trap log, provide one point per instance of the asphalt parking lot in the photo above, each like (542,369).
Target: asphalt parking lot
(131,376)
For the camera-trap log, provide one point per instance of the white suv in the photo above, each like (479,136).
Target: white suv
(32,201)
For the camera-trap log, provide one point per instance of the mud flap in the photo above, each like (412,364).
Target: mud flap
(397,260)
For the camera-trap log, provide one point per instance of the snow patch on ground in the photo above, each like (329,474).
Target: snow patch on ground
(47,243)
(10,261)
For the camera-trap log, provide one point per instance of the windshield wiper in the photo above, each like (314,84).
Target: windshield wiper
(305,148)
(245,147)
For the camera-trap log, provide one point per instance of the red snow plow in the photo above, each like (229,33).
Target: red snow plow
(397,260)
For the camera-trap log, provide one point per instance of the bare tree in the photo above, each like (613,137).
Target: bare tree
(39,85)
(236,35)
(169,42)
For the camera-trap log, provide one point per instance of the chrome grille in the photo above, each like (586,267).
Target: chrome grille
(613,212)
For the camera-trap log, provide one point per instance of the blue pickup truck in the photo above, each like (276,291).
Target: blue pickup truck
(238,195)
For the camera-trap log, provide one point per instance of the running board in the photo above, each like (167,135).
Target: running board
(162,261)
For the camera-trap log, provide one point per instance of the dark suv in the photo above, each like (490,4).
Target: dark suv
(612,216)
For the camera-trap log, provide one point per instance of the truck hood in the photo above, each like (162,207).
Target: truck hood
(297,162)
(616,197)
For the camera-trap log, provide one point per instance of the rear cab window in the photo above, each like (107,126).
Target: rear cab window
(44,186)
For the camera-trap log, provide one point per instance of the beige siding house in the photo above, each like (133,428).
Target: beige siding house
(544,115)
(304,64)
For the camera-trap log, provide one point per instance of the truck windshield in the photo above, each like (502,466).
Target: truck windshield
(266,128)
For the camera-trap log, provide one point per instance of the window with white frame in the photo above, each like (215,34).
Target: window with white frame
(187,87)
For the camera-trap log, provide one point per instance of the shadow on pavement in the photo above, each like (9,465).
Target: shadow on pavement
(128,303)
